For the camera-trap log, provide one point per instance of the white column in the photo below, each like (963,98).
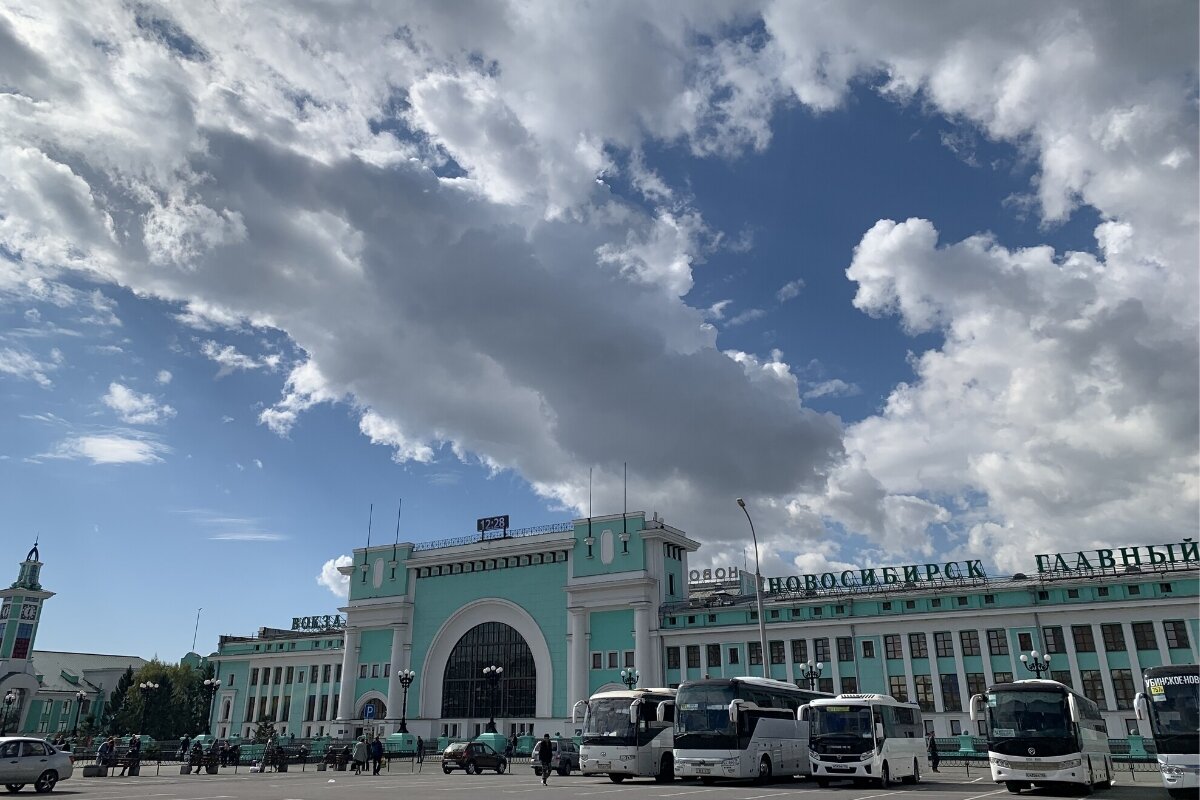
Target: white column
(577,656)
(642,660)
(349,674)
(394,690)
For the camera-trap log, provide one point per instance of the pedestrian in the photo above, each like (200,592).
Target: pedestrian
(185,747)
(132,756)
(197,756)
(420,750)
(544,753)
(104,752)
(933,752)
(223,753)
(376,755)
(360,755)
(511,747)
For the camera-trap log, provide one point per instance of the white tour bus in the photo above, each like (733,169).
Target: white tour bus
(626,736)
(865,737)
(1041,733)
(740,728)
(1173,709)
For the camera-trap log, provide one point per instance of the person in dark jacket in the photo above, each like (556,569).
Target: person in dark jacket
(376,755)
(197,757)
(545,754)
(933,752)
(420,750)
(132,756)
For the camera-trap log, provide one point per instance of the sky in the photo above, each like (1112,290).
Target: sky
(918,280)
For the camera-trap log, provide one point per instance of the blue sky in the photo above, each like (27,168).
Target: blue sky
(916,292)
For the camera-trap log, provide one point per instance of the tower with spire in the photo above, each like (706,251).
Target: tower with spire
(20,612)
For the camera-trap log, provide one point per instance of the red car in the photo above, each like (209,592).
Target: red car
(472,757)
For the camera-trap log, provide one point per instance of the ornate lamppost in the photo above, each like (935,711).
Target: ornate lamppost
(406,677)
(630,677)
(80,696)
(211,685)
(146,687)
(762,622)
(811,672)
(9,699)
(493,675)
(1036,662)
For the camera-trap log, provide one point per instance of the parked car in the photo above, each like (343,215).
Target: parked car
(565,758)
(24,760)
(472,757)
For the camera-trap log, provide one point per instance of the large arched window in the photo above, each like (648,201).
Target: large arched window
(466,693)
(380,711)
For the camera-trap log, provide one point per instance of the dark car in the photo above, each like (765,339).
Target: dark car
(472,757)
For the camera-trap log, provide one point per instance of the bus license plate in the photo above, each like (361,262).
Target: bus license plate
(604,764)
(703,770)
(1035,774)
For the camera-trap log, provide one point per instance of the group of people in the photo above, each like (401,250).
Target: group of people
(106,754)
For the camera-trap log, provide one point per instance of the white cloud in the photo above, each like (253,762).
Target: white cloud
(231,360)
(247,536)
(134,408)
(334,581)
(163,377)
(749,315)
(23,364)
(258,463)
(109,449)
(789,290)
(384,431)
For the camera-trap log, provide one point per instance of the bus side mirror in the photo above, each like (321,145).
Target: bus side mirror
(976,707)
(660,712)
(1140,706)
(575,711)
(734,705)
(633,711)
(879,731)
(1073,708)
(802,713)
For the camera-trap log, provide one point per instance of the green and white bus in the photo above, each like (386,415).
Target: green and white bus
(865,737)
(1171,703)
(628,734)
(1041,733)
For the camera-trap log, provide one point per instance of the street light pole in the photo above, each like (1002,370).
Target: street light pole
(762,622)
(1036,663)
(493,674)
(9,699)
(406,677)
(80,696)
(811,672)
(146,687)
(211,684)
(630,677)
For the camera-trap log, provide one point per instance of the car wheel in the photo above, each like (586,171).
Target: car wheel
(14,787)
(45,782)
(501,765)
(616,778)
(446,770)
(885,778)
(564,769)
(471,769)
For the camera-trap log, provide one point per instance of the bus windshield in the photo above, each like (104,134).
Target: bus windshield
(1030,714)
(840,720)
(704,709)
(1175,712)
(609,717)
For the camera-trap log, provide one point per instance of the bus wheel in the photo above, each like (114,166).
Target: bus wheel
(616,778)
(1013,787)
(666,770)
(823,783)
(764,770)
(916,774)
(885,777)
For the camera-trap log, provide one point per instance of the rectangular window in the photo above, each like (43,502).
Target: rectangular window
(897,688)
(325,670)
(249,710)
(1135,590)
(755,649)
(598,660)
(374,670)
(777,656)
(924,687)
(845,648)
(628,659)
(892,647)
(850,685)
(997,642)
(362,670)
(1063,676)
(821,650)
(266,676)
(734,656)
(1092,685)
(324,707)
(672,658)
(1085,640)
(613,659)
(951,698)
(976,683)
(799,651)
(1113,636)
(1102,591)
(1177,634)
(291,674)
(310,708)
(713,655)
(943,642)
(254,676)
(825,685)
(1123,690)
(1024,642)
(1143,636)
(1053,637)
(387,670)
(1003,677)
(693,656)
(918,646)
(230,681)
(286,711)
(970,642)
(312,673)
(333,711)
(868,648)
(278,676)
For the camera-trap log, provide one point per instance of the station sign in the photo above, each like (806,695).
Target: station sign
(906,575)
(1154,555)
(318,623)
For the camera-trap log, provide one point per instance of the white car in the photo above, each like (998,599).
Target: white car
(24,760)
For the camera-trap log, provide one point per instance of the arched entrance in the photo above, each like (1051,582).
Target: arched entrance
(465,690)
(378,710)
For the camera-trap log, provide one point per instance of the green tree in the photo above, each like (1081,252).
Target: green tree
(115,719)
(264,730)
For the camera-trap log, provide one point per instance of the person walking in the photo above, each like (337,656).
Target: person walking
(376,755)
(544,752)
(360,755)
(933,752)
(420,750)
(185,747)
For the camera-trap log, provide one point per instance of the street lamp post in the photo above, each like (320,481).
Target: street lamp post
(9,699)
(146,687)
(630,677)
(1036,663)
(80,696)
(406,677)
(811,672)
(762,622)
(211,684)
(493,675)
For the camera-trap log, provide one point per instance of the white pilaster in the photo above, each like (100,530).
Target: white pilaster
(642,660)
(394,690)
(349,675)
